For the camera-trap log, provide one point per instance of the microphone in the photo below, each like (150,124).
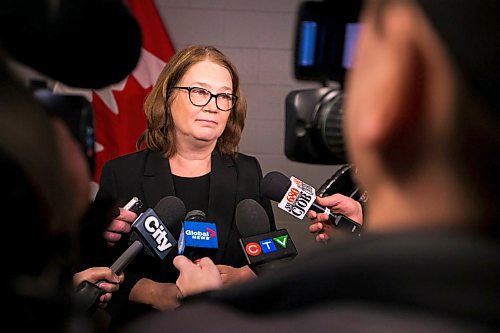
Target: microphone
(296,198)
(149,234)
(342,182)
(263,249)
(153,235)
(102,39)
(198,237)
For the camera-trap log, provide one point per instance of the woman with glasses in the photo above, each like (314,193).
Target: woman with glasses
(195,117)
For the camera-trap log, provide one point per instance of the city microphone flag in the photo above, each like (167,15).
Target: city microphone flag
(118,109)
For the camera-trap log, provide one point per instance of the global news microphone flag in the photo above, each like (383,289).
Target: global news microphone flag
(118,109)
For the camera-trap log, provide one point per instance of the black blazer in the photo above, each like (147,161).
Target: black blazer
(146,174)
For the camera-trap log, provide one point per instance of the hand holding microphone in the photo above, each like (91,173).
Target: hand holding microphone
(122,224)
(297,198)
(338,203)
(196,277)
(109,282)
(149,234)
(197,243)
(198,240)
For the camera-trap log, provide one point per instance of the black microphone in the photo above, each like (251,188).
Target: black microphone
(342,182)
(264,249)
(296,198)
(149,233)
(149,230)
(198,237)
(85,44)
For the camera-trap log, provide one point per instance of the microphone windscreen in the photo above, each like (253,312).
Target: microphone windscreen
(251,218)
(196,215)
(274,185)
(171,210)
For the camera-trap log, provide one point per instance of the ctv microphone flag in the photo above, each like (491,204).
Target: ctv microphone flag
(264,249)
(268,247)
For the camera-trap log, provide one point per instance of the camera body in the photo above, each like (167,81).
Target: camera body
(325,37)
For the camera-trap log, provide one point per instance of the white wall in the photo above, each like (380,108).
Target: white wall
(258,37)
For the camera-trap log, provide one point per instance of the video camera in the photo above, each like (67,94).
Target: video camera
(77,114)
(325,36)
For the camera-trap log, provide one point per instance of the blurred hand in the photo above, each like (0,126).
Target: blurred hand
(159,295)
(231,275)
(119,226)
(110,282)
(338,203)
(196,278)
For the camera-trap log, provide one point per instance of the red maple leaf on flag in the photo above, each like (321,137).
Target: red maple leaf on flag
(118,110)
(115,134)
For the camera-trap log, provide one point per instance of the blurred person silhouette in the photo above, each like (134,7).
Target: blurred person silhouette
(422,119)
(44,175)
(46,192)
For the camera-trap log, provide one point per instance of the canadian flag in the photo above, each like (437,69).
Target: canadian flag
(118,109)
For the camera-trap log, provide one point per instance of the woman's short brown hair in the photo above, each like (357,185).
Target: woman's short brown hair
(159,134)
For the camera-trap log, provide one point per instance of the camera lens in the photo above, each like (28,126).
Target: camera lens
(313,129)
(328,123)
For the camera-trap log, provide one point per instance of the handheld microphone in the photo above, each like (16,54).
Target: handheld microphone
(296,198)
(149,234)
(342,182)
(198,237)
(263,249)
(152,233)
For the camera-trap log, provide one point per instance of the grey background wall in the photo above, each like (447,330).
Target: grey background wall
(258,37)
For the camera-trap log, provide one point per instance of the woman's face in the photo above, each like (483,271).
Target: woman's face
(201,124)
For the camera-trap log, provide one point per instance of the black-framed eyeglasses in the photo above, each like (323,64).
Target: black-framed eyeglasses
(201,97)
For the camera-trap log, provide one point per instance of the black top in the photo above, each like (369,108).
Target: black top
(193,191)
